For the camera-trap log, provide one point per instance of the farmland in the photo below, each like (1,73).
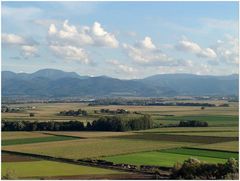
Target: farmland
(40,169)
(161,146)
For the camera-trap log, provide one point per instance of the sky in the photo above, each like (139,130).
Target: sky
(124,40)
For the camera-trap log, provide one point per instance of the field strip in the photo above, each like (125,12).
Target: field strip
(158,158)
(62,135)
(8,135)
(224,146)
(178,138)
(42,168)
(88,134)
(201,152)
(180,131)
(36,140)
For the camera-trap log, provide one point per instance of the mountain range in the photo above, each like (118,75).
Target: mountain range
(57,83)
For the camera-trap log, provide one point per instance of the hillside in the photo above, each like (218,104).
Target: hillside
(57,83)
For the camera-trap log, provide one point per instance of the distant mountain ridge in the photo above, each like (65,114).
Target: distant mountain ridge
(57,83)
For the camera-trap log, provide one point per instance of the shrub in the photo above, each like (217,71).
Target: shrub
(194,169)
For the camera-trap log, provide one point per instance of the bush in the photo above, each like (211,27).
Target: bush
(194,169)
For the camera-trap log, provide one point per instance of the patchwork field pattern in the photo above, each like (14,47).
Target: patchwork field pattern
(160,146)
(89,148)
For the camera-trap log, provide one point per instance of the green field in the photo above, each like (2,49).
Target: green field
(39,169)
(158,158)
(202,152)
(35,140)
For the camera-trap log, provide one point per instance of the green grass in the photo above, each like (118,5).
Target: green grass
(36,140)
(202,152)
(158,158)
(38,169)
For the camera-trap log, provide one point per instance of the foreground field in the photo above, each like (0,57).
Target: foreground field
(39,169)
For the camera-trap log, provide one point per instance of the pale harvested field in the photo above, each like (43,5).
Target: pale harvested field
(89,134)
(88,148)
(7,135)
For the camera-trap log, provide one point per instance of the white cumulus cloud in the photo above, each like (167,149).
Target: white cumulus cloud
(26,47)
(145,52)
(71,35)
(29,50)
(70,53)
(227,50)
(12,39)
(192,47)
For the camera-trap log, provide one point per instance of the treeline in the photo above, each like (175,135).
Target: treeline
(193,169)
(118,111)
(192,123)
(79,112)
(148,102)
(116,123)
(102,124)
(42,126)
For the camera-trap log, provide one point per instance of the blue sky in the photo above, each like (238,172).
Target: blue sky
(121,39)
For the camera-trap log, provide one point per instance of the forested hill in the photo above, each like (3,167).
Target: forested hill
(57,83)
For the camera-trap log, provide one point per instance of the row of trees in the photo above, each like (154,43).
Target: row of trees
(118,111)
(102,124)
(193,169)
(117,123)
(42,126)
(192,123)
(79,112)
